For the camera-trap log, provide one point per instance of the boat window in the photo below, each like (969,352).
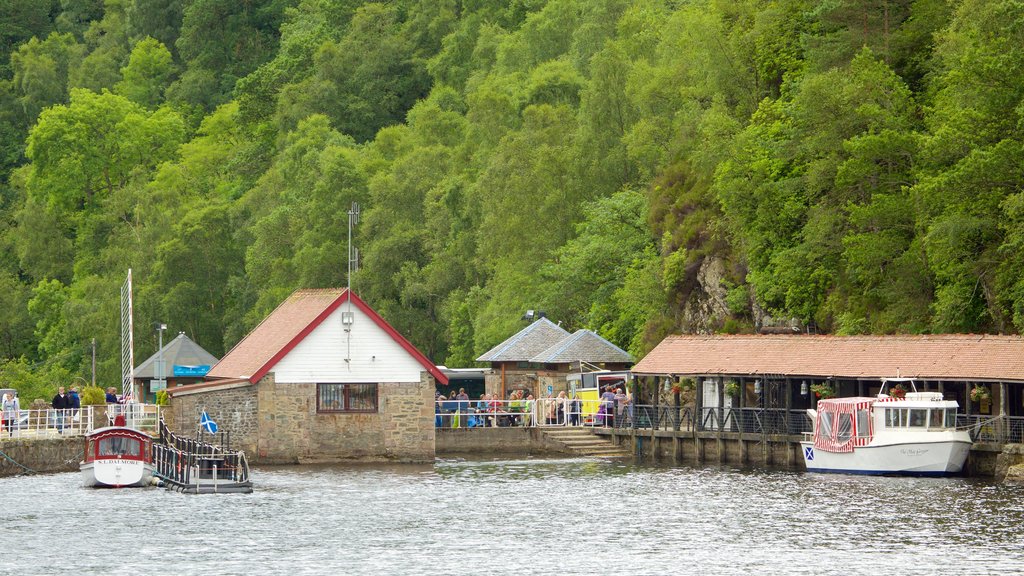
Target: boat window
(825,424)
(863,423)
(918,418)
(950,417)
(120,446)
(845,431)
(894,417)
(938,416)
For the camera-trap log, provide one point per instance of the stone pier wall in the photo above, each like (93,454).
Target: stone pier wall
(41,455)
(232,408)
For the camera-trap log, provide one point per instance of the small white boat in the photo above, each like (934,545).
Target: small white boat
(117,457)
(900,432)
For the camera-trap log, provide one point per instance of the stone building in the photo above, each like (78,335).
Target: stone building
(540,357)
(322,379)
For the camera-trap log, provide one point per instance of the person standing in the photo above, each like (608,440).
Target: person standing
(74,405)
(575,407)
(60,405)
(9,414)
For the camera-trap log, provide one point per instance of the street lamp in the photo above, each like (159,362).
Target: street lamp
(159,370)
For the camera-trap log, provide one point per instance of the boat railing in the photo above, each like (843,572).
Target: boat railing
(189,461)
(51,423)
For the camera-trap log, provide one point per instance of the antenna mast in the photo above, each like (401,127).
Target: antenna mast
(347,317)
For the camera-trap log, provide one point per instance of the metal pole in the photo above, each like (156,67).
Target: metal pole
(94,362)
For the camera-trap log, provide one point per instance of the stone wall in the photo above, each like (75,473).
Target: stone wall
(291,431)
(41,455)
(233,409)
(507,441)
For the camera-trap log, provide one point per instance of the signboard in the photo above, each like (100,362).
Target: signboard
(157,385)
(191,370)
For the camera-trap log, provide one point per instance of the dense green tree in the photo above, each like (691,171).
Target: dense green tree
(147,74)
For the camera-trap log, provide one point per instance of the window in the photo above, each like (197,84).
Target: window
(918,418)
(937,416)
(346,397)
(863,424)
(825,424)
(950,417)
(845,431)
(120,446)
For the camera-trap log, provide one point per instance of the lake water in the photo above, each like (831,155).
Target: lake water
(568,516)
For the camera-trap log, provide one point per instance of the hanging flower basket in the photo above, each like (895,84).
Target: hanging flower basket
(898,391)
(979,393)
(732,388)
(823,391)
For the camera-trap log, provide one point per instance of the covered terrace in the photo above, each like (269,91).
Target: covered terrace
(765,383)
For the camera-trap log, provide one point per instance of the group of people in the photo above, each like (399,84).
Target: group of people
(458,411)
(67,408)
(66,404)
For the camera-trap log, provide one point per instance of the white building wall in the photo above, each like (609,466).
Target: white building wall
(373,356)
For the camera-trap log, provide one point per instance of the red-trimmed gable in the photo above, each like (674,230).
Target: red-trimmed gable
(294,319)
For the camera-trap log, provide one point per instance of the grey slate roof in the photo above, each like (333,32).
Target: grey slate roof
(526,343)
(181,351)
(583,345)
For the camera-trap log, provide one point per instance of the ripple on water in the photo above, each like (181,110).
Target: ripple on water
(527,516)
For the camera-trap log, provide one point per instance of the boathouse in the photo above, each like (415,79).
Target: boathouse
(181,361)
(323,378)
(540,357)
(749,382)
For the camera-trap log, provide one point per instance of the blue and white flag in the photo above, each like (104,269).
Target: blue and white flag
(207,424)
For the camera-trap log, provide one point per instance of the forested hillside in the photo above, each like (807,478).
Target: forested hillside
(633,167)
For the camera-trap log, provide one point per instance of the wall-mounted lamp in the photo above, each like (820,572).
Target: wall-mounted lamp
(803,388)
(757,386)
(668,384)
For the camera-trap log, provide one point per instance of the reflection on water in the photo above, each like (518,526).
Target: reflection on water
(530,516)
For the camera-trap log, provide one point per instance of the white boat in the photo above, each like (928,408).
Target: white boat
(899,432)
(117,457)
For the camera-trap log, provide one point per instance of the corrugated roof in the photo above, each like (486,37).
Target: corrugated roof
(181,351)
(946,356)
(583,345)
(256,354)
(526,343)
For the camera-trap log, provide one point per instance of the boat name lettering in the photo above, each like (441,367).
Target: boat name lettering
(913,451)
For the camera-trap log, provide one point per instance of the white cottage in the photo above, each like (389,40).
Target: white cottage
(323,378)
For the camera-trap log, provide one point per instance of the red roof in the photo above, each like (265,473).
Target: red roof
(936,357)
(293,320)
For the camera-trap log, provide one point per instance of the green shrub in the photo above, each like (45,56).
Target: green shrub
(93,396)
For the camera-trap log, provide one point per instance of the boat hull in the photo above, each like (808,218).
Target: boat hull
(116,473)
(939,458)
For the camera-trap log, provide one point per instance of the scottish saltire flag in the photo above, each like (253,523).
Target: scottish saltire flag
(207,423)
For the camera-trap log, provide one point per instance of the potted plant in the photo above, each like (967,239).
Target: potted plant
(732,388)
(898,391)
(823,391)
(979,393)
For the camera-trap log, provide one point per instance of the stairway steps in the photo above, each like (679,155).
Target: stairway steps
(584,442)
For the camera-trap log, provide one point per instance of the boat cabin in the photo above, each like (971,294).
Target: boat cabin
(842,424)
(118,444)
